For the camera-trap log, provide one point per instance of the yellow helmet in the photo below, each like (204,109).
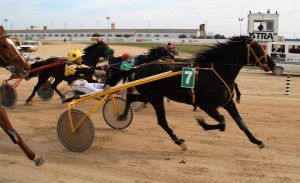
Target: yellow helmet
(74,54)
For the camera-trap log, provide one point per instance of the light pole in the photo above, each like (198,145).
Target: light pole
(65,26)
(240,20)
(97,25)
(11,26)
(52,24)
(107,22)
(206,29)
(5,19)
(149,27)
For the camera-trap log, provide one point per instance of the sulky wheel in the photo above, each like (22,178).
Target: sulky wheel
(8,95)
(111,117)
(82,138)
(45,92)
(136,106)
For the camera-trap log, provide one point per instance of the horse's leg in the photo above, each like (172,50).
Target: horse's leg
(162,121)
(69,99)
(232,110)
(54,87)
(41,80)
(195,108)
(129,99)
(16,138)
(238,93)
(214,113)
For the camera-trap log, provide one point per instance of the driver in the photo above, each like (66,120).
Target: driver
(75,71)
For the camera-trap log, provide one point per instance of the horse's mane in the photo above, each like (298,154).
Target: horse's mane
(215,53)
(89,48)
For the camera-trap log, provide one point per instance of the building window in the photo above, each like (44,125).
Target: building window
(166,35)
(156,35)
(62,35)
(50,35)
(82,35)
(140,35)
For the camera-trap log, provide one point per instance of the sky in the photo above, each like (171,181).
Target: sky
(220,16)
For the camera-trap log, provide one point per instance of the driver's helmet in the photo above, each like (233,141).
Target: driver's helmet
(74,54)
(125,56)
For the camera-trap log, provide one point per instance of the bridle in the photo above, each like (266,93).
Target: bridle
(9,66)
(250,50)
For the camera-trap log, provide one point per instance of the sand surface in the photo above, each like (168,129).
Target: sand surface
(144,153)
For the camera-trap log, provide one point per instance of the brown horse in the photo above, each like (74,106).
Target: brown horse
(11,59)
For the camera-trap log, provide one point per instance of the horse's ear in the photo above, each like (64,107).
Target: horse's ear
(245,39)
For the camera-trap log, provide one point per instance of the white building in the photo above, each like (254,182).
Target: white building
(138,35)
(263,26)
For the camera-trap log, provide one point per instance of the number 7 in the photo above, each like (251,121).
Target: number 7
(189,76)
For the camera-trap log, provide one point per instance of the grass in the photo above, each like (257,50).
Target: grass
(184,48)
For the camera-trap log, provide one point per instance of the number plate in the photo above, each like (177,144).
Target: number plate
(188,77)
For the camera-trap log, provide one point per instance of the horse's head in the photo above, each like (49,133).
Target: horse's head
(10,57)
(95,51)
(257,55)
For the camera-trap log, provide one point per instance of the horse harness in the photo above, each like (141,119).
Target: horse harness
(9,66)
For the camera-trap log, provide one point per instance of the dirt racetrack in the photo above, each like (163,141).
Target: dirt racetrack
(144,153)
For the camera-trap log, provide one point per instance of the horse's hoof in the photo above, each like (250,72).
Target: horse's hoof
(39,160)
(222,127)
(28,102)
(262,145)
(238,100)
(121,118)
(200,119)
(184,147)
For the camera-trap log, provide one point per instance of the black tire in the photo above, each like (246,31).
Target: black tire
(77,141)
(277,71)
(45,92)
(112,119)
(8,95)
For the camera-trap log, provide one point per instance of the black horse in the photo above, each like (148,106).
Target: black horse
(114,74)
(162,53)
(90,58)
(217,68)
